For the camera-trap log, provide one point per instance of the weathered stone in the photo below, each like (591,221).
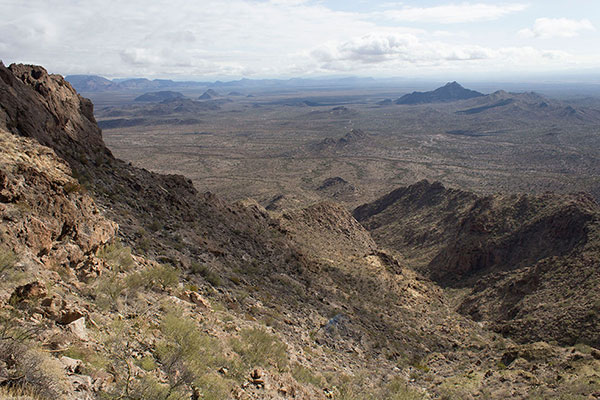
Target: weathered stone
(78,329)
(31,291)
(71,365)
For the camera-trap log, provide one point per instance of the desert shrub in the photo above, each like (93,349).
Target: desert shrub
(398,389)
(258,348)
(8,259)
(213,386)
(189,356)
(109,289)
(117,256)
(361,387)
(155,225)
(159,276)
(149,388)
(13,330)
(88,355)
(147,363)
(31,370)
(306,376)
(17,393)
(72,187)
(207,273)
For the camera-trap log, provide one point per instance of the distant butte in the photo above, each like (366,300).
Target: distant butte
(452,91)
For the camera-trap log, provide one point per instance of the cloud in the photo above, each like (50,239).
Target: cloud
(215,39)
(547,28)
(403,48)
(452,13)
(408,53)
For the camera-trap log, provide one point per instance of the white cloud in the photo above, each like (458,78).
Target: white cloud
(404,48)
(410,53)
(547,28)
(452,13)
(215,39)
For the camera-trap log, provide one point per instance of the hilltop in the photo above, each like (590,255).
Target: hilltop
(452,91)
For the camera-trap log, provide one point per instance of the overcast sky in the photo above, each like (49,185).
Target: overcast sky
(206,39)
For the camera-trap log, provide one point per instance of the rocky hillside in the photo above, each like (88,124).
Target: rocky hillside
(527,261)
(528,106)
(125,284)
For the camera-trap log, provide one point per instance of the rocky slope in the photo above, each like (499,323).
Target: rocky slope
(193,297)
(528,105)
(527,261)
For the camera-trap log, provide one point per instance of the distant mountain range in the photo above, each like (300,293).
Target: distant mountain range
(95,83)
(452,91)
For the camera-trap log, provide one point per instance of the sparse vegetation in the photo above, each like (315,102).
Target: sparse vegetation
(8,259)
(117,256)
(258,348)
(191,357)
(159,276)
(30,370)
(207,273)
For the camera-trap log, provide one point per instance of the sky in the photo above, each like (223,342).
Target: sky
(220,39)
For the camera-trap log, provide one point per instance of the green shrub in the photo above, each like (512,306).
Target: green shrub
(110,287)
(213,386)
(149,388)
(147,363)
(188,355)
(306,376)
(159,276)
(33,370)
(72,187)
(207,273)
(88,355)
(258,348)
(398,389)
(117,256)
(8,259)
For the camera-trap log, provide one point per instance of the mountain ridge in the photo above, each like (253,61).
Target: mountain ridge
(196,297)
(452,91)
(465,240)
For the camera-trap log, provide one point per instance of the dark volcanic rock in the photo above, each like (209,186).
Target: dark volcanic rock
(450,92)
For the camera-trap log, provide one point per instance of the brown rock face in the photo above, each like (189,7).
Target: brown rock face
(527,259)
(67,123)
(43,208)
(31,291)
